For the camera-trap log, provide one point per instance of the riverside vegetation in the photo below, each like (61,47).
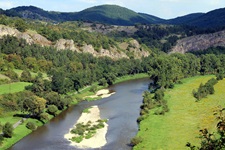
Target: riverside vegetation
(50,80)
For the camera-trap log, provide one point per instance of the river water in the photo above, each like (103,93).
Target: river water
(122,109)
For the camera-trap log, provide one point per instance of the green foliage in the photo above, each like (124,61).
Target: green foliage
(31,126)
(26,76)
(135,140)
(52,109)
(21,25)
(87,130)
(12,75)
(7,130)
(44,117)
(212,141)
(94,88)
(204,90)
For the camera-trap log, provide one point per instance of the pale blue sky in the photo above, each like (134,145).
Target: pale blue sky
(166,9)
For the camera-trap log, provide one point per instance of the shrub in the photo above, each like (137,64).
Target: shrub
(52,109)
(219,76)
(77,139)
(31,125)
(7,130)
(135,141)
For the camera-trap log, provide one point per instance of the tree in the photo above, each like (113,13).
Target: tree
(7,130)
(52,109)
(31,125)
(44,117)
(21,25)
(34,105)
(26,76)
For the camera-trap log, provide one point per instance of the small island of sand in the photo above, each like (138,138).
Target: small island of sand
(99,138)
(104,93)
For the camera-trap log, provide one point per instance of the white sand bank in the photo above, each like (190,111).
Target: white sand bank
(99,139)
(104,93)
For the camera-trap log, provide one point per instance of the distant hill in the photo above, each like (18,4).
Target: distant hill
(184,19)
(108,14)
(152,19)
(212,19)
(215,18)
(117,15)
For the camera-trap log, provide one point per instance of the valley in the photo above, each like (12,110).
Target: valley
(52,65)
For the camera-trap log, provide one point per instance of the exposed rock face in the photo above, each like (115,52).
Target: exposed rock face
(200,42)
(30,38)
(125,50)
(112,53)
(135,48)
(63,44)
(41,40)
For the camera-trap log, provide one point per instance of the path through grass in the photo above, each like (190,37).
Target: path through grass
(185,118)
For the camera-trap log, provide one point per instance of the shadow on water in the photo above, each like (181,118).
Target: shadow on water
(122,109)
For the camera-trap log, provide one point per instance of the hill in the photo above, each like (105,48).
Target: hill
(108,14)
(111,14)
(184,19)
(211,19)
(117,15)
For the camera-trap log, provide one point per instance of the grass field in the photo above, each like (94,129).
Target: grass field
(13,87)
(185,118)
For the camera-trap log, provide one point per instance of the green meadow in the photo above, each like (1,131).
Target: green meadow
(185,118)
(13,87)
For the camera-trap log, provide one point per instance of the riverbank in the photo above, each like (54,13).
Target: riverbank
(162,132)
(99,139)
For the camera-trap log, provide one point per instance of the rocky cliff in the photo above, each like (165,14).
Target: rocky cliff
(200,42)
(124,50)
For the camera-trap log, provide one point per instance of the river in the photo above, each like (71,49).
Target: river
(122,109)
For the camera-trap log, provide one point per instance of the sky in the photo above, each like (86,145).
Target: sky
(165,9)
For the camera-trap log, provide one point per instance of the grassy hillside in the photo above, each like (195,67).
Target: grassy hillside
(185,118)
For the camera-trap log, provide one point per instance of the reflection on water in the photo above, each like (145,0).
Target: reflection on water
(122,110)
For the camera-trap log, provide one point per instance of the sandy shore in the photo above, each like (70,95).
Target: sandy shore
(104,93)
(99,139)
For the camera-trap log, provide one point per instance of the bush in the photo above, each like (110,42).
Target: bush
(94,88)
(135,141)
(31,126)
(12,75)
(7,130)
(77,139)
(140,119)
(103,82)
(52,109)
(25,76)
(219,76)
